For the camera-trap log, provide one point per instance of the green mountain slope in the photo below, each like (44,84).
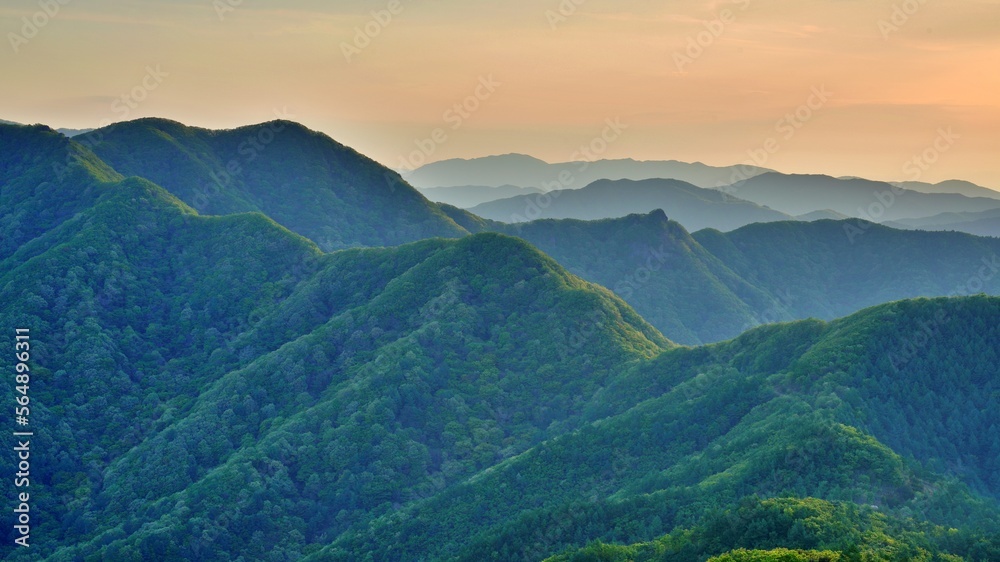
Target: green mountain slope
(45,179)
(794,530)
(302,179)
(658,268)
(803,409)
(172,366)
(218,388)
(712,286)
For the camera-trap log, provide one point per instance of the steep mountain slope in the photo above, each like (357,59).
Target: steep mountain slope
(798,530)
(302,179)
(658,268)
(217,388)
(693,207)
(805,409)
(45,179)
(525,171)
(713,286)
(170,365)
(865,199)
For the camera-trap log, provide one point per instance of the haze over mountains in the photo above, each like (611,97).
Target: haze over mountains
(695,207)
(877,201)
(215,387)
(802,197)
(711,286)
(526,171)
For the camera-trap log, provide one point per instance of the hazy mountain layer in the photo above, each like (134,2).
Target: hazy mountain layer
(466,196)
(525,171)
(859,198)
(693,207)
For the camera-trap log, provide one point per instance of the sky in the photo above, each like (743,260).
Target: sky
(884,89)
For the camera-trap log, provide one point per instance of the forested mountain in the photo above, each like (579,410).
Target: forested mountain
(218,388)
(46,180)
(804,409)
(828,269)
(653,264)
(692,206)
(173,361)
(712,286)
(858,198)
(525,171)
(302,179)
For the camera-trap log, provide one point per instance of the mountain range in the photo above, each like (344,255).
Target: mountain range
(218,387)
(960,187)
(526,171)
(858,198)
(465,196)
(711,286)
(693,206)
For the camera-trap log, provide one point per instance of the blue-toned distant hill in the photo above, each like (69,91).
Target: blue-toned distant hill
(465,196)
(858,198)
(526,171)
(961,187)
(694,207)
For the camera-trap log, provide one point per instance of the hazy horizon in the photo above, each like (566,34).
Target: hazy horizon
(823,87)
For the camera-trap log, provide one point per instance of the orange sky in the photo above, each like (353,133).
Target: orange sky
(691,80)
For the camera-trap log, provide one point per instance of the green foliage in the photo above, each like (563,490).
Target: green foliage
(777,555)
(303,180)
(217,388)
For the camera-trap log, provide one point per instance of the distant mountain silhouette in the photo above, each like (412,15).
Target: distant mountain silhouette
(859,198)
(67,132)
(960,187)
(825,214)
(694,207)
(466,196)
(526,171)
(983,223)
